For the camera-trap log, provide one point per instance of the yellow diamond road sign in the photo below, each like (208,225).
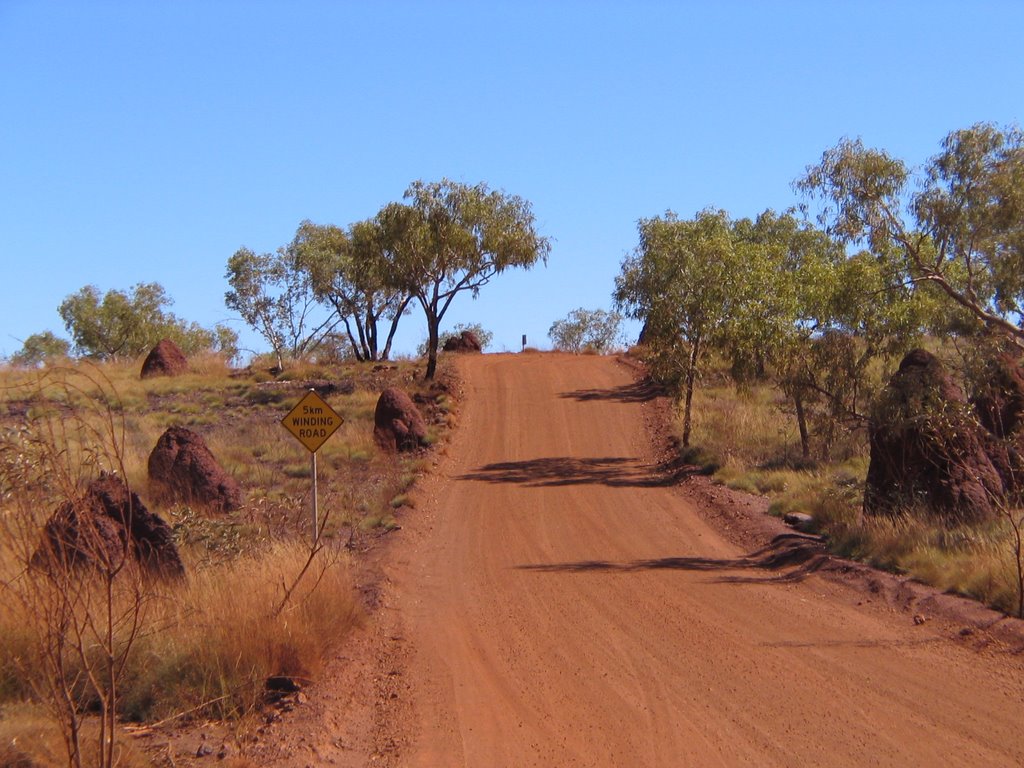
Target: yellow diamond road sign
(312,421)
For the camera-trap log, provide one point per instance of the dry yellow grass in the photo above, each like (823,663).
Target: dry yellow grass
(29,738)
(211,641)
(744,428)
(973,560)
(216,639)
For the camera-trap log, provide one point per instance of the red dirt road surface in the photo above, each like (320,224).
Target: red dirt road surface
(552,602)
(565,609)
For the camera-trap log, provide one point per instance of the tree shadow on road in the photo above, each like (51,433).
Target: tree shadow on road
(613,471)
(642,391)
(801,555)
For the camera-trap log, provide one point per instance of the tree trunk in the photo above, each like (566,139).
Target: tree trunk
(371,334)
(691,376)
(362,338)
(801,420)
(394,327)
(352,340)
(433,331)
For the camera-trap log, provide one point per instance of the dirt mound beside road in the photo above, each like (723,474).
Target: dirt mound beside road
(182,466)
(108,522)
(465,342)
(165,359)
(397,423)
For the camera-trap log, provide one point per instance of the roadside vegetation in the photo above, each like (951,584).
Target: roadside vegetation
(333,293)
(746,437)
(81,655)
(778,336)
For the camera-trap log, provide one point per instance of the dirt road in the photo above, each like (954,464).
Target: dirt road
(565,609)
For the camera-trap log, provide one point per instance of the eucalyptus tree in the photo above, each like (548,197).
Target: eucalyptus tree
(850,316)
(586,329)
(347,271)
(40,349)
(125,324)
(274,296)
(757,291)
(450,238)
(957,225)
(822,318)
(683,281)
(789,271)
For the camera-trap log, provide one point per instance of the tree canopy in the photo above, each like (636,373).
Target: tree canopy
(40,348)
(450,238)
(956,226)
(121,324)
(347,271)
(771,292)
(586,329)
(686,281)
(447,238)
(274,296)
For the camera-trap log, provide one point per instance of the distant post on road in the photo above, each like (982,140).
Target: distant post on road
(312,421)
(524,342)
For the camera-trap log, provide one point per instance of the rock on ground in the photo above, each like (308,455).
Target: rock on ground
(799,520)
(464,342)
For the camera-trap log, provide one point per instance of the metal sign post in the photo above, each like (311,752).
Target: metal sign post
(316,506)
(312,421)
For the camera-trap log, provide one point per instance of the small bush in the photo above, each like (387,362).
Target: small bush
(591,332)
(699,456)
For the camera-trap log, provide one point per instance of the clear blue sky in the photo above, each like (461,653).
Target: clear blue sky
(147,141)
